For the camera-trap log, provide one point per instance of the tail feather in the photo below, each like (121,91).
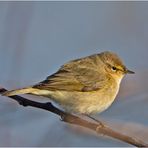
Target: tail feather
(18,91)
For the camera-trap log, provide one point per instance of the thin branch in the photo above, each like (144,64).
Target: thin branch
(72,119)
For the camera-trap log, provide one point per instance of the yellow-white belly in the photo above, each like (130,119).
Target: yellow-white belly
(84,102)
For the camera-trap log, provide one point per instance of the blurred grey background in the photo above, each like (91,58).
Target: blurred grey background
(36,38)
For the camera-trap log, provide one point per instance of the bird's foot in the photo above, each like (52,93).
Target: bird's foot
(97,121)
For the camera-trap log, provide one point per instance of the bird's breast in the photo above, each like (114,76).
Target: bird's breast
(86,102)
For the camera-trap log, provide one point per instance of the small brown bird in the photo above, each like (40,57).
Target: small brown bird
(84,86)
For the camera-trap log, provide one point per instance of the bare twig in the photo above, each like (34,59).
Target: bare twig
(72,119)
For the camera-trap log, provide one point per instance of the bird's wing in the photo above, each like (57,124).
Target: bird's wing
(74,76)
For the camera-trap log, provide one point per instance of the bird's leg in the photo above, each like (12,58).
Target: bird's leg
(92,118)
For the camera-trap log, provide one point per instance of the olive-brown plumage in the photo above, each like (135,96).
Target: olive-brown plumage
(86,85)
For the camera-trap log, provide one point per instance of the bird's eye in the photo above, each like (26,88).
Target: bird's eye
(114,68)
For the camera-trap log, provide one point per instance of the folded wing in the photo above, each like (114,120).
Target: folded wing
(77,75)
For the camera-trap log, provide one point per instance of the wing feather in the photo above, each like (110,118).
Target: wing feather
(77,75)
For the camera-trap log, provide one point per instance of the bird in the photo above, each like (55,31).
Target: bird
(87,85)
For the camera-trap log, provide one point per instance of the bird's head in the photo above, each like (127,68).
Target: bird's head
(113,65)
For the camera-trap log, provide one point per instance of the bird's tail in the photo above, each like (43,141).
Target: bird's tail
(19,91)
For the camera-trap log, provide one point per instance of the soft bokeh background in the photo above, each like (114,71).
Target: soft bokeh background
(37,37)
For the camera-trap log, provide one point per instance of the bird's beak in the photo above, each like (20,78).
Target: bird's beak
(129,71)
